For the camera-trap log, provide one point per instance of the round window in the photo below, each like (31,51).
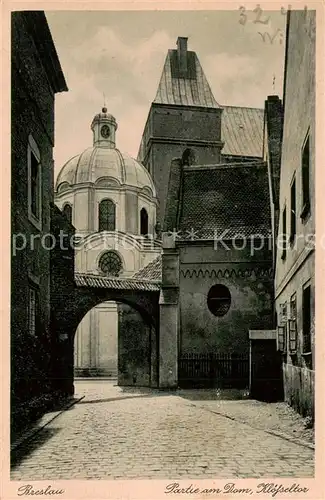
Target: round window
(219,300)
(110,264)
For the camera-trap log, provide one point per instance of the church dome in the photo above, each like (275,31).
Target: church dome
(98,163)
(104,163)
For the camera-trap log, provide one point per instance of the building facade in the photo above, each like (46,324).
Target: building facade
(295,256)
(36,78)
(111,200)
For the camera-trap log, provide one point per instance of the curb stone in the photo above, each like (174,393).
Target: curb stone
(29,434)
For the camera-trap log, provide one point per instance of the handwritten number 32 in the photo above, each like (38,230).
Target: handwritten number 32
(258,11)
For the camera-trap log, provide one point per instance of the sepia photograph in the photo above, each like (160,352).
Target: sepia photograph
(162,309)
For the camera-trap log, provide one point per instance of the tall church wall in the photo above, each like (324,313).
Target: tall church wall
(201,267)
(186,123)
(174,129)
(162,156)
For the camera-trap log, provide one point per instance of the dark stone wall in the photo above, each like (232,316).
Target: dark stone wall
(32,112)
(134,348)
(172,129)
(62,286)
(186,123)
(249,280)
(174,194)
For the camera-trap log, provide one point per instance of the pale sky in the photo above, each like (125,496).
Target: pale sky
(122,54)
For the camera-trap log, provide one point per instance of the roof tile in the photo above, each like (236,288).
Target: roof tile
(230,200)
(93,281)
(151,271)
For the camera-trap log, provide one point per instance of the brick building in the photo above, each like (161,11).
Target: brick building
(206,160)
(36,78)
(217,276)
(185,120)
(295,203)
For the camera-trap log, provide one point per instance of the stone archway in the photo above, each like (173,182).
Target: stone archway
(85,294)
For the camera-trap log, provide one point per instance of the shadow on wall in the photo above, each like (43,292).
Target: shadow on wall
(134,348)
(299,386)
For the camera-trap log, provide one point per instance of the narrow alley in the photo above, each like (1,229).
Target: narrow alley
(116,432)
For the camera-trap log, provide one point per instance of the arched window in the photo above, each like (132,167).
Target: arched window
(144,222)
(67,210)
(110,264)
(106,219)
(188,157)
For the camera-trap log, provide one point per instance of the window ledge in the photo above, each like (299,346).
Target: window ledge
(306,354)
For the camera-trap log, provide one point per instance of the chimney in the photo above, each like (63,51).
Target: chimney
(274,124)
(182,55)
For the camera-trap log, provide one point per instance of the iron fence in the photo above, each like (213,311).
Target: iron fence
(222,370)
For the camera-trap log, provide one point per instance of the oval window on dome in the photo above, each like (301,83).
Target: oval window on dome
(105,131)
(110,264)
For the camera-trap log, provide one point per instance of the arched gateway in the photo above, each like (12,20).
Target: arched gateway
(132,295)
(113,201)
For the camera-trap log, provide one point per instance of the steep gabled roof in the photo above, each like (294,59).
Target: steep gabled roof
(242,131)
(191,90)
(241,127)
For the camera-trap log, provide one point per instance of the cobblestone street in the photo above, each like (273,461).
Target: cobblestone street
(116,432)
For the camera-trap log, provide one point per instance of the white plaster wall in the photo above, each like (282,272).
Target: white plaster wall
(96,339)
(150,206)
(106,335)
(81,208)
(87,257)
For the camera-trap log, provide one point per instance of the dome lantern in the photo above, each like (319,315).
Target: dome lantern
(105,165)
(104,127)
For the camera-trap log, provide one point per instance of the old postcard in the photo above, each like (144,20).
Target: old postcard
(165,287)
